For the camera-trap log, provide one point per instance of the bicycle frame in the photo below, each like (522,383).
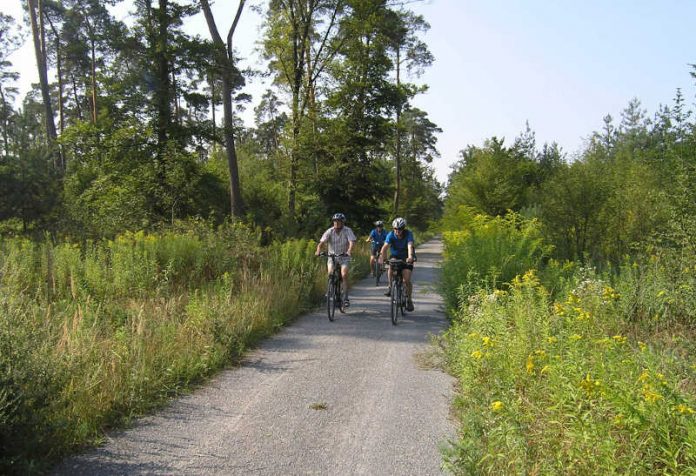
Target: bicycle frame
(334,288)
(398,290)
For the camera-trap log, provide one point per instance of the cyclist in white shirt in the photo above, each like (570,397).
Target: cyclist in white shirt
(340,240)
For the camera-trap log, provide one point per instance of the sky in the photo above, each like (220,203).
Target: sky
(560,65)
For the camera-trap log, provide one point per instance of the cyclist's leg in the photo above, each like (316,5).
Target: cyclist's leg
(409,287)
(344,274)
(389,279)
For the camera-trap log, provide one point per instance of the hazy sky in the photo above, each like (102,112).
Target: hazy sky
(562,65)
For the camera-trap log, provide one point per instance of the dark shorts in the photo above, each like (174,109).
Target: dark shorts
(405,265)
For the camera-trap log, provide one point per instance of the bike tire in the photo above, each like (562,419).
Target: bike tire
(331,300)
(395,300)
(404,300)
(378,272)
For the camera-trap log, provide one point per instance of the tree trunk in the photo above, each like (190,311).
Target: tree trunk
(163,84)
(5,124)
(224,60)
(397,155)
(40,52)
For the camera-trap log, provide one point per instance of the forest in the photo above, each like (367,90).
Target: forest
(133,127)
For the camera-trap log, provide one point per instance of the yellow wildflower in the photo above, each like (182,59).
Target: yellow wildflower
(558,309)
(661,293)
(685,409)
(477,354)
(497,406)
(487,342)
(650,395)
(530,364)
(643,346)
(473,335)
(619,339)
(572,299)
(644,376)
(545,369)
(575,337)
(551,339)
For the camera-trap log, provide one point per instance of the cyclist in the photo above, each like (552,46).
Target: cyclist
(401,242)
(377,237)
(341,240)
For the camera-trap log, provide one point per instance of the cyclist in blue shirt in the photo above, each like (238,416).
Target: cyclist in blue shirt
(401,242)
(377,237)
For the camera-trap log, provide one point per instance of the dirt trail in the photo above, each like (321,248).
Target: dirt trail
(344,397)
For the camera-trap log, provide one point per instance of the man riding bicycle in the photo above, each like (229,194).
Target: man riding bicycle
(401,242)
(341,240)
(377,237)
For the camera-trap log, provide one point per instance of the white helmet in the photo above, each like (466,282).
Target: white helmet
(399,223)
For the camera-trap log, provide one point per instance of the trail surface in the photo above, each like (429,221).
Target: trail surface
(346,397)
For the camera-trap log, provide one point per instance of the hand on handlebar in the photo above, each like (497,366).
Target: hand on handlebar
(409,260)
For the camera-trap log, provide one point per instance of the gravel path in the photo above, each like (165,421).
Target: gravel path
(346,397)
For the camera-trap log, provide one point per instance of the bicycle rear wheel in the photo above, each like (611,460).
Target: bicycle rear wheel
(377,269)
(331,299)
(395,302)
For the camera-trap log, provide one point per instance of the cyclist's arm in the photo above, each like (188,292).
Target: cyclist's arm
(383,251)
(351,243)
(319,248)
(409,246)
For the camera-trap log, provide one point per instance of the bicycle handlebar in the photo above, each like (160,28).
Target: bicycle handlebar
(333,255)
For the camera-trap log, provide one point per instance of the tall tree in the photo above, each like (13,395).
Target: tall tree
(38,30)
(300,42)
(231,79)
(411,53)
(9,42)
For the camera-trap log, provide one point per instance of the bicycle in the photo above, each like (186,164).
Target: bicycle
(334,287)
(376,267)
(399,298)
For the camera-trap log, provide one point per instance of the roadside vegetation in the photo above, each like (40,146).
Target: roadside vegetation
(96,334)
(572,292)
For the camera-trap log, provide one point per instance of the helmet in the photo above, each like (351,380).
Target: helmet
(379,223)
(399,223)
(339,217)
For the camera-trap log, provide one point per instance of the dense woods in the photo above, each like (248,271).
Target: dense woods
(133,126)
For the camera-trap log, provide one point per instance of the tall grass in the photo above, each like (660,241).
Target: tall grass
(93,335)
(596,376)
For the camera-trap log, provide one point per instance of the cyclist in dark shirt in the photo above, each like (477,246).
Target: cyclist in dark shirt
(377,237)
(401,242)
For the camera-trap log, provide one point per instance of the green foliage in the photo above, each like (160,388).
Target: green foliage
(93,335)
(584,384)
(487,252)
(492,179)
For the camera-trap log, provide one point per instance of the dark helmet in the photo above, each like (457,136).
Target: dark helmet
(339,216)
(399,223)
(379,223)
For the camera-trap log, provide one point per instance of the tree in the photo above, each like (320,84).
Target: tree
(231,80)
(36,15)
(299,51)
(411,52)
(9,42)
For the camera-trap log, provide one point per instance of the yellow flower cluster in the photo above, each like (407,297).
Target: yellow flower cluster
(497,406)
(685,409)
(477,354)
(609,293)
(590,385)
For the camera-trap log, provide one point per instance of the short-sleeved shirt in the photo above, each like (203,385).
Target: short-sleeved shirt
(399,247)
(338,241)
(378,237)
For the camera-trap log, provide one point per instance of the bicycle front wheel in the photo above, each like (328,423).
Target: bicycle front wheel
(395,302)
(331,299)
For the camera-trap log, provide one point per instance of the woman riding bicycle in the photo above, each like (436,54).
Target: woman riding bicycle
(340,240)
(377,237)
(401,242)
